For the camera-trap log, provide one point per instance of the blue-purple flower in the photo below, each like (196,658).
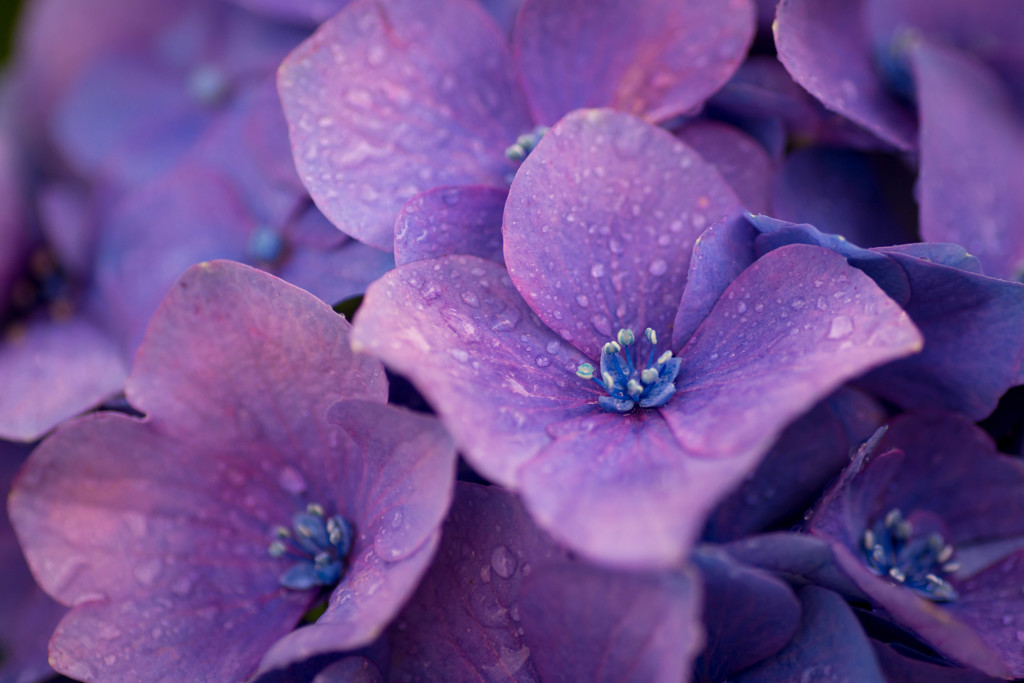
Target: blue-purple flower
(266,477)
(562,376)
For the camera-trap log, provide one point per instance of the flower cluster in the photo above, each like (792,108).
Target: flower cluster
(512,340)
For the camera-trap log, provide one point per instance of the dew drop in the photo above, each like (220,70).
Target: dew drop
(460,355)
(147,572)
(597,270)
(291,480)
(841,326)
(582,300)
(503,562)
(542,361)
(658,267)
(553,346)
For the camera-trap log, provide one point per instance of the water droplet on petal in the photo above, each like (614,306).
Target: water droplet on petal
(841,326)
(291,480)
(658,267)
(503,562)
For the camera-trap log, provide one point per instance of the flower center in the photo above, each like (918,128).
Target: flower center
(45,287)
(318,545)
(919,562)
(525,144)
(627,383)
(208,85)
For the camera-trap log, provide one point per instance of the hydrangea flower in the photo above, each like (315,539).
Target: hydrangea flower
(622,439)
(393,97)
(190,543)
(929,526)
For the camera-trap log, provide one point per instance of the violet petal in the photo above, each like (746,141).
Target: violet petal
(416,95)
(651,58)
(607,208)
(451,220)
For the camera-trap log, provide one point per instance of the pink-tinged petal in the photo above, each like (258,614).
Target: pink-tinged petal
(830,643)
(392,97)
(54,370)
(464,622)
(793,327)
(496,375)
(620,490)
(972,159)
(652,58)
(720,254)
(600,222)
(741,160)
(231,346)
(824,46)
(451,220)
(165,639)
(866,198)
(583,623)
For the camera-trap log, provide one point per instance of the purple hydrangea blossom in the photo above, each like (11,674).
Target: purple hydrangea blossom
(393,97)
(598,230)
(266,468)
(928,525)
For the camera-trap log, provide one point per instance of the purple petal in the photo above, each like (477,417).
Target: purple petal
(824,46)
(867,198)
(29,614)
(830,642)
(392,97)
(788,331)
(972,145)
(973,326)
(55,370)
(465,621)
(810,453)
(295,349)
(504,12)
(600,223)
(463,335)
(620,489)
(797,554)
(898,667)
(451,220)
(651,58)
(126,120)
(749,615)
(582,623)
(137,541)
(741,160)
(720,254)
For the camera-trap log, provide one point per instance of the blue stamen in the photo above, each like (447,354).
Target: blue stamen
(627,384)
(525,143)
(319,545)
(918,562)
